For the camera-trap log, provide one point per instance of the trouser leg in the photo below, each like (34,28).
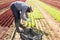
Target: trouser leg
(15,13)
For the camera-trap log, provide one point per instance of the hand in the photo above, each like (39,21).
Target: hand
(28,20)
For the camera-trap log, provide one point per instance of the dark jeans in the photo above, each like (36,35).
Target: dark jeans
(15,13)
(16,17)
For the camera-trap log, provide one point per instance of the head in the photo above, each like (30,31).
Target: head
(29,9)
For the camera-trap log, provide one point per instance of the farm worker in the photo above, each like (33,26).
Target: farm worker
(20,9)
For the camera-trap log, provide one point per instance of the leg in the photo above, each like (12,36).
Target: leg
(19,19)
(15,13)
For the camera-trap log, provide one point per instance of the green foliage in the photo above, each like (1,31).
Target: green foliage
(50,10)
(33,15)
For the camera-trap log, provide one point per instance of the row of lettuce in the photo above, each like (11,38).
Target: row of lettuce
(33,15)
(54,12)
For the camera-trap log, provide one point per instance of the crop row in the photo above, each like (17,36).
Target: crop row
(50,10)
(6,18)
(54,3)
(4,5)
(33,15)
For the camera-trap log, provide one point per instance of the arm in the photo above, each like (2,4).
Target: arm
(26,14)
(23,12)
(22,15)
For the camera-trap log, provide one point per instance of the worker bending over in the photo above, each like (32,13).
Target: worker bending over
(20,9)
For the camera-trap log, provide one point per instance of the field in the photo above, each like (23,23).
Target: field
(55,13)
(55,3)
(44,19)
(5,1)
(40,22)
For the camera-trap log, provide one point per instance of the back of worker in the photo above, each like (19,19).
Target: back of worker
(20,5)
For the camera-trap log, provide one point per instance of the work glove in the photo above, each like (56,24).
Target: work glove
(28,20)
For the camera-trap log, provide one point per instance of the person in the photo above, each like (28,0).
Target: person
(20,9)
